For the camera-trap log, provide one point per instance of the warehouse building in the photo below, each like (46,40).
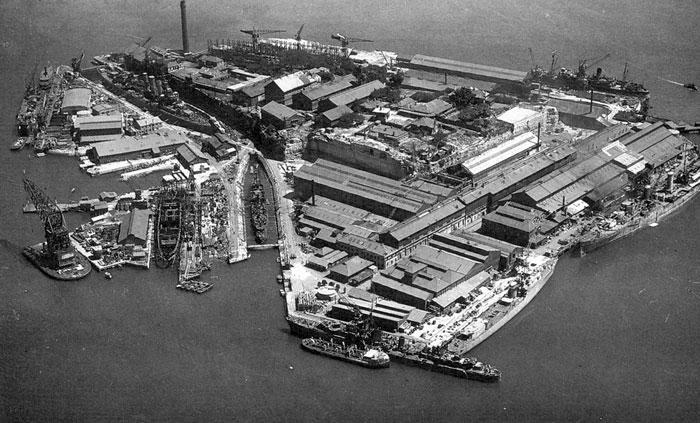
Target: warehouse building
(656,143)
(76,100)
(381,255)
(520,120)
(283,89)
(463,69)
(508,252)
(348,97)
(374,193)
(190,156)
(99,128)
(517,224)
(355,268)
(332,117)
(479,166)
(151,145)
(325,258)
(487,255)
(133,229)
(427,273)
(309,98)
(280,116)
(461,292)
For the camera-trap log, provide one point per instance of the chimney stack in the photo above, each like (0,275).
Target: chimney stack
(183,18)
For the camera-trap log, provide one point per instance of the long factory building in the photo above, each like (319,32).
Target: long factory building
(548,187)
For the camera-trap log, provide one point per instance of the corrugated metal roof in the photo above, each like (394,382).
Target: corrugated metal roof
(128,145)
(516,115)
(294,81)
(408,290)
(327,89)
(76,98)
(279,111)
(470,69)
(462,290)
(357,93)
(440,212)
(335,113)
(501,153)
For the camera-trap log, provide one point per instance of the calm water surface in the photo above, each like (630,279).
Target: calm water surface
(613,336)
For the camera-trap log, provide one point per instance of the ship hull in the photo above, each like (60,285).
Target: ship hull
(342,355)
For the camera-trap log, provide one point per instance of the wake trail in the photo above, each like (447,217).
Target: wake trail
(672,82)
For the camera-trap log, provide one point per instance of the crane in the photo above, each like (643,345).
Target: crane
(57,239)
(143,44)
(77,61)
(345,41)
(298,37)
(584,64)
(555,57)
(256,33)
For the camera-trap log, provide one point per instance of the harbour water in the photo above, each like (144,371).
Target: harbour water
(612,336)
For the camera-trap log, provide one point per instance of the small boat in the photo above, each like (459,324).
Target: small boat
(19,144)
(282,292)
(108,275)
(691,86)
(72,190)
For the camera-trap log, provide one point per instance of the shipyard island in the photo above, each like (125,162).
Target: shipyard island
(417,203)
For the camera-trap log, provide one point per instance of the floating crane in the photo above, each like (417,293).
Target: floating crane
(58,243)
(76,62)
(345,41)
(298,37)
(256,33)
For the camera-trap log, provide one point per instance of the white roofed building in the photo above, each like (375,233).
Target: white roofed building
(479,166)
(282,89)
(520,119)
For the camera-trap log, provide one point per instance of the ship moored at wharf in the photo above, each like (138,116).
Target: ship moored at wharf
(365,357)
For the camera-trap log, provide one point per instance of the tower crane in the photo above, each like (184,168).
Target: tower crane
(345,41)
(143,44)
(298,37)
(57,239)
(256,33)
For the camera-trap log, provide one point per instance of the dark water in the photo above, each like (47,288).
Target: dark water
(612,337)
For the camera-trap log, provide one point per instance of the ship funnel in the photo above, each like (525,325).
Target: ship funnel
(183,19)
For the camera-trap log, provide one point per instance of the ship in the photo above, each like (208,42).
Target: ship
(567,79)
(19,144)
(366,357)
(73,266)
(691,86)
(167,226)
(451,364)
(258,213)
(316,327)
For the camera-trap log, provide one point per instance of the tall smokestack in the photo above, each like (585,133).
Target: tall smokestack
(183,18)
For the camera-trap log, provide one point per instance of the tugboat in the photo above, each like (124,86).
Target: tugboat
(366,357)
(691,86)
(19,144)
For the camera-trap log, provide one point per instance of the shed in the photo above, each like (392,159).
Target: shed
(75,100)
(280,116)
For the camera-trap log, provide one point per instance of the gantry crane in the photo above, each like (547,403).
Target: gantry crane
(57,238)
(256,33)
(298,37)
(345,41)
